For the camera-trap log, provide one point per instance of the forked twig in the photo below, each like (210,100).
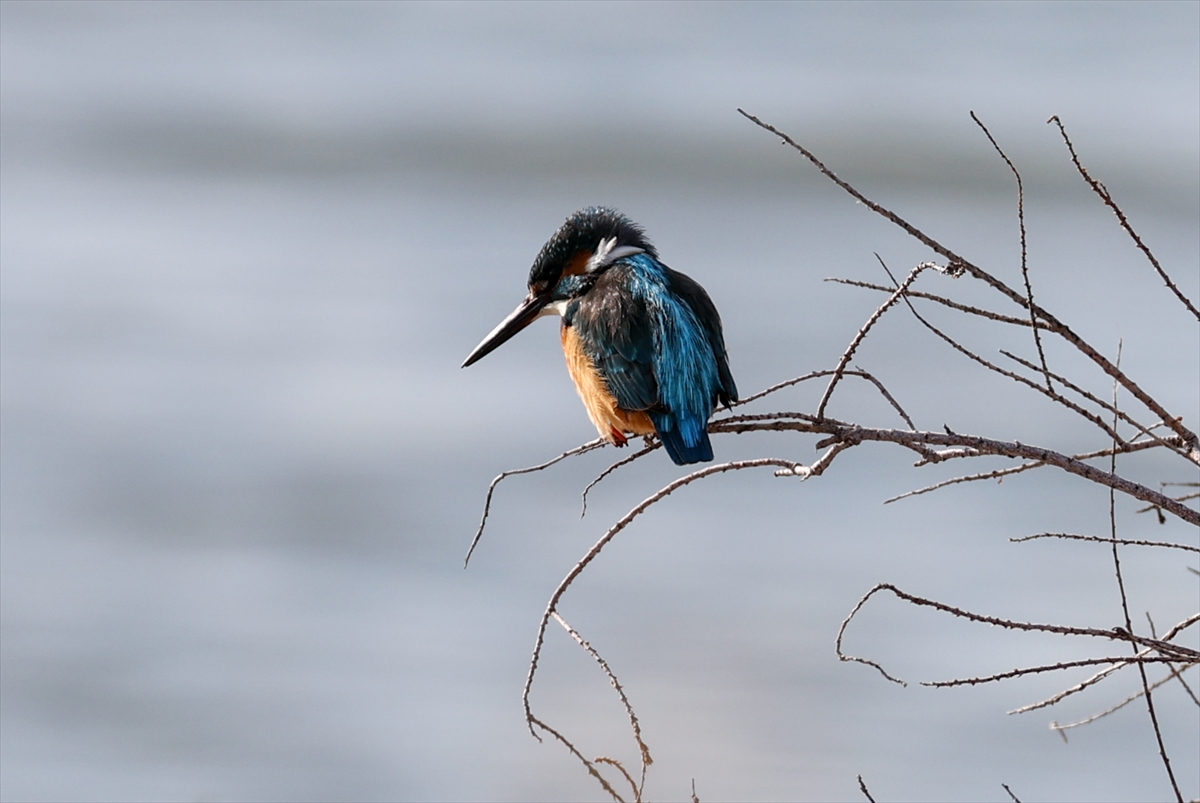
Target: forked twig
(958,265)
(487,504)
(643,749)
(591,767)
(621,524)
(1175,672)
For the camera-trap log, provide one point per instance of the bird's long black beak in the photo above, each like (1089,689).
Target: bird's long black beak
(530,309)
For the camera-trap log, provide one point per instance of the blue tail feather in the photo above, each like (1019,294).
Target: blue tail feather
(673,439)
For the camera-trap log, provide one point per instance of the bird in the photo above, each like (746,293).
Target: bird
(643,343)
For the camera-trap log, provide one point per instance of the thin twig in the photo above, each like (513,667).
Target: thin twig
(946,302)
(1099,540)
(1112,518)
(815,374)
(591,768)
(1105,196)
(1035,670)
(848,354)
(622,462)
(487,504)
(1137,446)
(1046,391)
(1103,673)
(1176,652)
(1010,793)
(1037,338)
(612,762)
(616,684)
(622,523)
(958,265)
(1175,672)
(862,787)
(1121,414)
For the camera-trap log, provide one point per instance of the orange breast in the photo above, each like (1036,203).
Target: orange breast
(611,421)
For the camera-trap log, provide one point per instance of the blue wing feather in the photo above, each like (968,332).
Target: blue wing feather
(655,337)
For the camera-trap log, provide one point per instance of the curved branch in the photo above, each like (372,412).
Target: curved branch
(957,265)
(622,523)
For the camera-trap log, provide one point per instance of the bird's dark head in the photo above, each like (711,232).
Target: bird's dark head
(588,242)
(584,246)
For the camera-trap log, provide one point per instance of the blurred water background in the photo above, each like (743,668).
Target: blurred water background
(245,247)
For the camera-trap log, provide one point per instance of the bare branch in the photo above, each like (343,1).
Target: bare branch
(1046,391)
(622,462)
(862,787)
(591,767)
(815,374)
(616,684)
(1102,674)
(487,504)
(1105,196)
(1035,670)
(946,302)
(622,523)
(1176,672)
(637,793)
(840,431)
(1170,651)
(958,264)
(1100,540)
(1037,338)
(1112,518)
(848,354)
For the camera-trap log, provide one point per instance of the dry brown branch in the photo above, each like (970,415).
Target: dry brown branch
(612,762)
(1004,472)
(1046,391)
(1035,670)
(590,555)
(862,787)
(1187,689)
(848,354)
(1112,518)
(1099,540)
(1105,196)
(958,264)
(836,437)
(1102,674)
(921,441)
(1175,672)
(1167,651)
(591,767)
(1037,338)
(995,316)
(619,464)
(487,504)
(946,302)
(815,374)
(643,749)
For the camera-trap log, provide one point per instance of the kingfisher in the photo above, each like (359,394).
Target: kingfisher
(643,342)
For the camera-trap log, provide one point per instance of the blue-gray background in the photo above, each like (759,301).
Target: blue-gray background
(246,246)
